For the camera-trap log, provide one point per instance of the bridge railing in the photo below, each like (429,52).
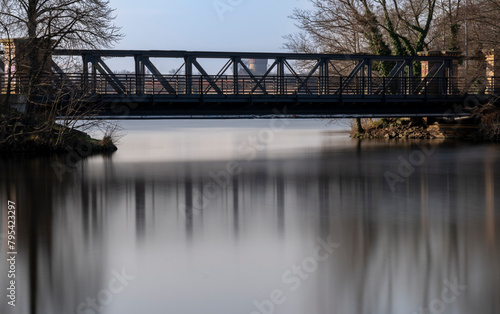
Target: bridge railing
(132,84)
(269,85)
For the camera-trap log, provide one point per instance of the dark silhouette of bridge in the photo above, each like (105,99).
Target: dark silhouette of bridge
(327,85)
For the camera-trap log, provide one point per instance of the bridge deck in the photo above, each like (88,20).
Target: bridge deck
(332,86)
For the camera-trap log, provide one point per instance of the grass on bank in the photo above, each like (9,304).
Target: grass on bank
(483,125)
(16,136)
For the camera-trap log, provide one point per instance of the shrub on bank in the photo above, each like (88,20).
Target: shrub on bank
(489,125)
(483,125)
(15,136)
(393,129)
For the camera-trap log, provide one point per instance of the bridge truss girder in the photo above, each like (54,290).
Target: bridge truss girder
(281,71)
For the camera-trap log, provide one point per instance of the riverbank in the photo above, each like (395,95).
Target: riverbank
(393,129)
(484,126)
(15,136)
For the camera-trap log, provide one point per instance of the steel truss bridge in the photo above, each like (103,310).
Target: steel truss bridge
(334,85)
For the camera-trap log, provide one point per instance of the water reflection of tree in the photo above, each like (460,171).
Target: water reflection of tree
(54,262)
(396,248)
(406,250)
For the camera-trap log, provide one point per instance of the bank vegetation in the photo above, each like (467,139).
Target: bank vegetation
(41,111)
(405,28)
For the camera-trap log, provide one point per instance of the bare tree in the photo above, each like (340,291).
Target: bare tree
(51,24)
(70,23)
(46,25)
(381,27)
(484,29)
(452,17)
(395,27)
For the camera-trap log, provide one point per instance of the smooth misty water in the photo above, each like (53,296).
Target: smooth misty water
(222,216)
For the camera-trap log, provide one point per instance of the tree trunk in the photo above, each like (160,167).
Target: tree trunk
(32,55)
(454,28)
(359,127)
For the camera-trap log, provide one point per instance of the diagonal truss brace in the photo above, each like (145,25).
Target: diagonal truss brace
(257,82)
(435,72)
(318,80)
(106,72)
(207,77)
(156,73)
(220,74)
(395,72)
(65,79)
(361,64)
(303,82)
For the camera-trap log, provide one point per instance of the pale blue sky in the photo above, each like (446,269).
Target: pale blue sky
(239,25)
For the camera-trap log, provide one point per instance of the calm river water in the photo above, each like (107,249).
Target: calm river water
(248,217)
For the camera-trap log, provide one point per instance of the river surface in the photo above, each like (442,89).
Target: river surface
(248,217)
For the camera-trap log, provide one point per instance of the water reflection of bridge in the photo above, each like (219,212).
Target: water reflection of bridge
(421,234)
(332,86)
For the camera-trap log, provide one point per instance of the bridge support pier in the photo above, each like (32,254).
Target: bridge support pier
(442,73)
(18,64)
(492,71)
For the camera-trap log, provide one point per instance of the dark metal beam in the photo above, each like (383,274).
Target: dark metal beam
(297,77)
(258,83)
(262,79)
(188,68)
(324,87)
(106,72)
(67,82)
(156,73)
(85,74)
(436,74)
(225,93)
(347,80)
(220,74)
(207,77)
(393,75)
(236,82)
(140,72)
(363,69)
(272,115)
(281,75)
(225,106)
(242,55)
(311,73)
